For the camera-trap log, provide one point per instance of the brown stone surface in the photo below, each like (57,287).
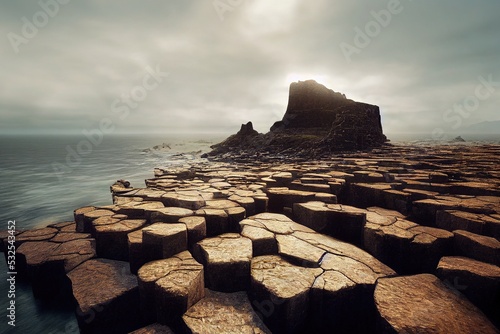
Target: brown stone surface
(334,267)
(482,224)
(224,313)
(196,229)
(168,215)
(405,246)
(478,247)
(154,329)
(340,221)
(422,304)
(290,298)
(226,259)
(107,296)
(284,197)
(478,281)
(418,188)
(111,239)
(169,287)
(161,240)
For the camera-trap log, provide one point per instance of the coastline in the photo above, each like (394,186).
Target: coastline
(412,183)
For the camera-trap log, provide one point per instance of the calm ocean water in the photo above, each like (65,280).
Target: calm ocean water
(34,194)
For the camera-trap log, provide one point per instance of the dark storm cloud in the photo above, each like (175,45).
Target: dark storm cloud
(92,54)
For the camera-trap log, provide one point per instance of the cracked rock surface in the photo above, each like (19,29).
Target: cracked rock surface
(397,239)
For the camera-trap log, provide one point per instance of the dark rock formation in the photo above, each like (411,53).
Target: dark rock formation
(246,138)
(458,139)
(317,121)
(311,105)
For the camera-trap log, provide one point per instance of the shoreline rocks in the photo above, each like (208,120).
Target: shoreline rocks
(289,245)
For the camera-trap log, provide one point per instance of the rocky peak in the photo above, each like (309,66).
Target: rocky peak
(247,130)
(317,120)
(310,95)
(311,105)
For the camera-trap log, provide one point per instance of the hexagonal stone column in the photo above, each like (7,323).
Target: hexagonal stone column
(224,313)
(423,304)
(107,296)
(280,291)
(226,259)
(161,240)
(169,287)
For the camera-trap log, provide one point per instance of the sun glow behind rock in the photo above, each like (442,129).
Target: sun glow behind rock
(294,77)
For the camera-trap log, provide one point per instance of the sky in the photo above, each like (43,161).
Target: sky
(207,66)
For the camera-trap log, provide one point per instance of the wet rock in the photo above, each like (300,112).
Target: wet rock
(404,303)
(226,259)
(40,234)
(224,313)
(46,264)
(169,287)
(107,296)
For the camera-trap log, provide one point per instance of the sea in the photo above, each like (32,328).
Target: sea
(45,177)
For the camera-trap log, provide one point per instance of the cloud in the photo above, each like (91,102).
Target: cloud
(224,73)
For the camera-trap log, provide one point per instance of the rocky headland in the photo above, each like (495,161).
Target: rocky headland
(317,122)
(372,238)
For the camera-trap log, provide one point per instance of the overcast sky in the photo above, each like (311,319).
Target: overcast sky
(231,61)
